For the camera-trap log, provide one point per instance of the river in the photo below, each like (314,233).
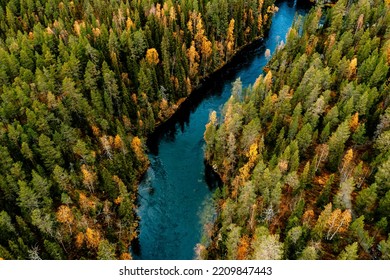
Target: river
(175,193)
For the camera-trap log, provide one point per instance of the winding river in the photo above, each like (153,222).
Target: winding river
(175,194)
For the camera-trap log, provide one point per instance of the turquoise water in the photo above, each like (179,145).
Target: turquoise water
(176,189)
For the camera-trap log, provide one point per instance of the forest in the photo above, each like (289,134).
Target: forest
(304,152)
(82,84)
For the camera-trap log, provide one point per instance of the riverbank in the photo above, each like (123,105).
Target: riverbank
(172,217)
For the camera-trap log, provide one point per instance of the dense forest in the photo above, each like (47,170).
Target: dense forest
(82,83)
(304,153)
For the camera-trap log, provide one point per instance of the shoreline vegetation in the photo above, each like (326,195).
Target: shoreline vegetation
(304,153)
(83,84)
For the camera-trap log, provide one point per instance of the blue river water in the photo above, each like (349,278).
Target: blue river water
(175,195)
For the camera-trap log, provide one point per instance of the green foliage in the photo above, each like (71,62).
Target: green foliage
(322,122)
(79,82)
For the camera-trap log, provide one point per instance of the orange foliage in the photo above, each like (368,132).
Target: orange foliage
(354,123)
(206,47)
(95,130)
(85,202)
(331,41)
(243,248)
(152,56)
(308,217)
(93,238)
(311,45)
(118,143)
(118,200)
(79,240)
(125,256)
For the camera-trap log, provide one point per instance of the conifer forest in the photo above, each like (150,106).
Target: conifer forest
(302,155)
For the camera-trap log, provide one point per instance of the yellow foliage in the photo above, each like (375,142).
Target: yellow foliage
(258,82)
(387,49)
(199,30)
(172,14)
(85,202)
(64,214)
(164,106)
(96,32)
(230,38)
(352,68)
(79,239)
(338,222)
(93,238)
(152,56)
(89,177)
(206,47)
(175,82)
(268,80)
(77,27)
(283,165)
(118,143)
(188,85)
(265,19)
(347,158)
(51,100)
(136,145)
(193,57)
(354,122)
(259,22)
(331,40)
(189,26)
(129,24)
(107,143)
(260,6)
(253,152)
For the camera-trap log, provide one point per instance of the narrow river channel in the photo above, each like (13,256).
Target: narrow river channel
(175,194)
